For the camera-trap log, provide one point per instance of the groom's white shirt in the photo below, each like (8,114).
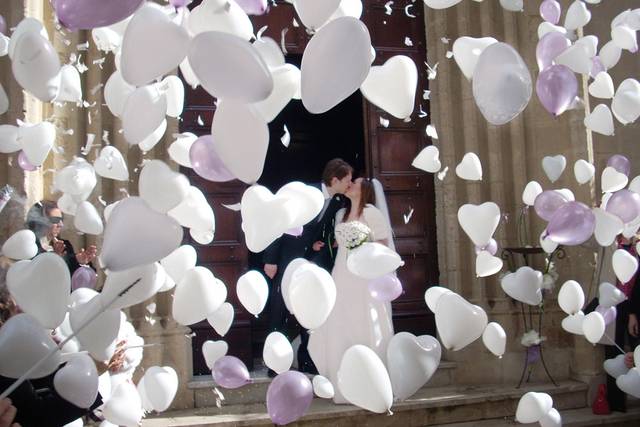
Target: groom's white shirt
(327,198)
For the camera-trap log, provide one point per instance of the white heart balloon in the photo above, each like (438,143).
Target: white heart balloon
(593,327)
(36,66)
(600,120)
(608,226)
(552,419)
(571,297)
(630,382)
(143,113)
(20,246)
(479,221)
(213,350)
(230,68)
(178,262)
(610,54)
(221,319)
(242,140)
(322,387)
(77,381)
(221,16)
(153,138)
(9,142)
(41,288)
(160,386)
(612,180)
(37,140)
(124,408)
(433,294)
(553,166)
(428,159)
(495,339)
(311,295)
(27,25)
(548,245)
(197,295)
(314,14)
(372,260)
(146,58)
(194,212)
(625,38)
(306,200)
(616,366)
(77,179)
(265,217)
(467,50)
(162,188)
(459,323)
(525,285)
(87,219)
(487,264)
(131,235)
(470,168)
(392,86)
(146,281)
(253,291)
(573,323)
(546,27)
(270,51)
(277,352)
(531,191)
(179,149)
(441,4)
(624,265)
(583,171)
(363,380)
(110,164)
(609,295)
(286,82)
(70,85)
(23,343)
(602,86)
(411,361)
(116,91)
(532,407)
(626,103)
(577,16)
(332,70)
(100,336)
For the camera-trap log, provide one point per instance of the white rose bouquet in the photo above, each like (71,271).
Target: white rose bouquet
(356,234)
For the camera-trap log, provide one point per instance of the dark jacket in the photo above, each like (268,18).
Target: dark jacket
(69,255)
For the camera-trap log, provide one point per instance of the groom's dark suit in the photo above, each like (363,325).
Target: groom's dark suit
(287,248)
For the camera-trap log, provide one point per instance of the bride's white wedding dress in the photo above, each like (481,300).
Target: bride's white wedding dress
(356,318)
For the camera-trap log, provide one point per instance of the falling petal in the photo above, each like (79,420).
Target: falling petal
(233,207)
(387,7)
(407,217)
(426,95)
(406,11)
(431,132)
(286,138)
(442,174)
(384,122)
(408,42)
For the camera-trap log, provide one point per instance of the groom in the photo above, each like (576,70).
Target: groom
(336,179)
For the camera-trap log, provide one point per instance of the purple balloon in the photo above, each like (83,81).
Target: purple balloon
(89,14)
(596,67)
(609,313)
(620,163)
(83,277)
(550,11)
(179,3)
(253,7)
(289,397)
(24,163)
(625,204)
(549,47)
(492,247)
(230,372)
(557,86)
(3,25)
(547,203)
(206,162)
(572,224)
(295,232)
(386,288)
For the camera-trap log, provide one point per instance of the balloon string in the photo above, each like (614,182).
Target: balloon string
(615,344)
(17,383)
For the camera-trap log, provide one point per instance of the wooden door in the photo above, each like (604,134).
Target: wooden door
(388,152)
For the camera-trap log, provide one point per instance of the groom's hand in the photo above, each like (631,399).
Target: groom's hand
(318,245)
(270,270)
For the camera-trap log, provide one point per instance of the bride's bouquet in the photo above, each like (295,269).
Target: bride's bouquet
(356,234)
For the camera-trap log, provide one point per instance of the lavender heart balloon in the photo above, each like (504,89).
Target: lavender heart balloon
(572,224)
(206,162)
(89,14)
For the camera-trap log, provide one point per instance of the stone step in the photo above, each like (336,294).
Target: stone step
(256,392)
(429,407)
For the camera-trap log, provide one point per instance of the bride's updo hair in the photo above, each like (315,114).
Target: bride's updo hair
(367,197)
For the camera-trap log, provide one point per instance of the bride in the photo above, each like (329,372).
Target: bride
(356,318)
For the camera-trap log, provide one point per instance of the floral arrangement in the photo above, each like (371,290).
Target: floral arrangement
(356,234)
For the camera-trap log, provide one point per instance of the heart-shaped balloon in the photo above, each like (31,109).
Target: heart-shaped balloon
(531,191)
(332,70)
(630,382)
(179,149)
(160,386)
(608,226)
(265,217)
(571,297)
(433,294)
(552,419)
(77,381)
(626,102)
(146,58)
(194,211)
(593,327)
(467,50)
(100,336)
(532,407)
(146,281)
(87,219)
(372,260)
(20,246)
(132,235)
(602,86)
(70,85)
(525,285)
(77,179)
(363,380)
(221,319)
(124,407)
(547,27)
(479,221)
(553,166)
(392,86)
(612,180)
(116,91)
(577,16)
(9,142)
(322,387)
(577,58)
(307,201)
(411,361)
(197,295)
(470,168)
(162,188)
(314,14)
(179,262)
(600,120)
(36,66)
(428,159)
(143,112)
(41,287)
(487,264)
(573,323)
(220,16)
(213,350)
(230,68)
(151,140)
(37,141)
(610,54)
(609,295)
(616,366)
(270,51)
(583,171)
(625,38)
(624,265)
(23,343)
(286,83)
(110,164)
(459,323)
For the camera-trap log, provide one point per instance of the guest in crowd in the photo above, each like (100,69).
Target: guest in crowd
(45,220)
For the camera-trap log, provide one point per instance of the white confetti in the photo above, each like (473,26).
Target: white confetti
(200,121)
(422,114)
(387,7)
(89,120)
(124,191)
(431,132)
(282,42)
(433,72)
(102,201)
(426,95)
(105,136)
(442,174)
(408,42)
(96,88)
(384,122)
(99,62)
(406,11)
(407,217)
(286,138)
(445,40)
(88,145)
(83,46)
(449,54)
(295,23)
(261,32)
(234,207)
(150,320)
(151,308)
